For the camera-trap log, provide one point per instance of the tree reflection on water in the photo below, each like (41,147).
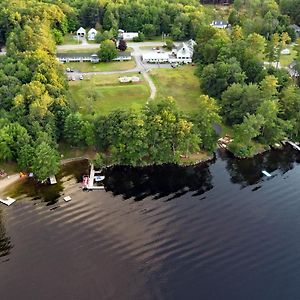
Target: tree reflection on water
(158,181)
(5,243)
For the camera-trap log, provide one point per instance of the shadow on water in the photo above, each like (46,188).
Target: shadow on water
(70,173)
(5,244)
(249,171)
(158,181)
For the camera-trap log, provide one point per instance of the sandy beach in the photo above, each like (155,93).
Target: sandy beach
(4,183)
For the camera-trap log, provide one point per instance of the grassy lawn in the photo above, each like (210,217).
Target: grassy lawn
(69,40)
(285,60)
(102,66)
(102,94)
(180,83)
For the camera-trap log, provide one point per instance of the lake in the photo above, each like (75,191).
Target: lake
(217,231)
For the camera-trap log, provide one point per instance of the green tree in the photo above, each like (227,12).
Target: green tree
(45,161)
(108,51)
(215,78)
(244,134)
(73,129)
(204,120)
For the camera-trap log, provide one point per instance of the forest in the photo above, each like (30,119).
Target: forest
(261,105)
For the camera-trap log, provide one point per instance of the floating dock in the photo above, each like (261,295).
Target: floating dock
(8,202)
(93,175)
(266,173)
(67,198)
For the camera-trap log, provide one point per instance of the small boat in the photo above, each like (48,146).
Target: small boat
(85,182)
(266,173)
(99,178)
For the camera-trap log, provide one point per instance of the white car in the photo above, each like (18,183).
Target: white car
(81,77)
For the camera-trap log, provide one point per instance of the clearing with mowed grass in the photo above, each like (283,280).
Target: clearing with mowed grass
(179,83)
(101,94)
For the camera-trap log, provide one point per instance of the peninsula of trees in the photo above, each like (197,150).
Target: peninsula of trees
(243,86)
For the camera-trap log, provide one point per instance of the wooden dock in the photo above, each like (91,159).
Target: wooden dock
(91,185)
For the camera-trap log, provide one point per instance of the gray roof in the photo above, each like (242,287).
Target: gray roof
(220,23)
(293,64)
(295,27)
(79,55)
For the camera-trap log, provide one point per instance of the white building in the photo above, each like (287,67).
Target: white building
(127,36)
(155,57)
(183,53)
(219,24)
(92,34)
(81,32)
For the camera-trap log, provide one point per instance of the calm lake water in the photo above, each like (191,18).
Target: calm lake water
(215,232)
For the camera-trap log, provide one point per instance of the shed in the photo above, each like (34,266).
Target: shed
(92,34)
(81,32)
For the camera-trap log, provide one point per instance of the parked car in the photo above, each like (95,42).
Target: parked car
(68,69)
(73,78)
(81,77)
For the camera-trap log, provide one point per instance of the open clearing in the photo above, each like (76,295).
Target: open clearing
(179,83)
(101,94)
(101,66)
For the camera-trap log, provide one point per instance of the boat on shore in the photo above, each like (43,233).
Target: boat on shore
(85,182)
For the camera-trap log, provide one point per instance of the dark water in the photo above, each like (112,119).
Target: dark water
(216,231)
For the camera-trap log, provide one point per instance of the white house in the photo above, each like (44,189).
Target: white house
(219,24)
(81,32)
(127,36)
(183,53)
(92,34)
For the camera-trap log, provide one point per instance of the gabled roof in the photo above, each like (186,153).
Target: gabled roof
(185,47)
(92,30)
(81,29)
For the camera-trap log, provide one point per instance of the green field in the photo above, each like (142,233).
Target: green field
(102,66)
(70,40)
(180,83)
(102,94)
